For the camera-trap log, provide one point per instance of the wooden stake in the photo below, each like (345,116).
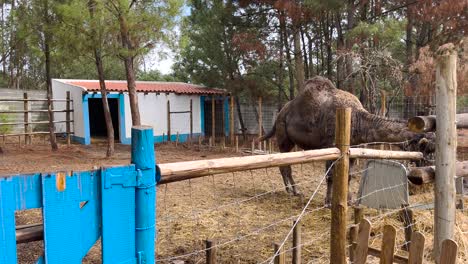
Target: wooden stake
(362,246)
(406,214)
(353,233)
(296,254)
(191,120)
(177,139)
(27,138)
(231,118)
(448,254)
(210,252)
(163,138)
(237,144)
(253,146)
(213,119)
(340,188)
(416,249)
(388,245)
(358,214)
(281,257)
(260,120)
(270,150)
(68,119)
(446,146)
(168,121)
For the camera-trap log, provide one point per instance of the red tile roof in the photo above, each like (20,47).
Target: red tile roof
(157,87)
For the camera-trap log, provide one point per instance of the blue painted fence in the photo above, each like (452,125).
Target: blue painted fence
(114,203)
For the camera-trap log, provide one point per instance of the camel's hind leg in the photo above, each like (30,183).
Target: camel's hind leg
(285,145)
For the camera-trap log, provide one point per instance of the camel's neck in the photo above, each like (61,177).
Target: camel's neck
(372,128)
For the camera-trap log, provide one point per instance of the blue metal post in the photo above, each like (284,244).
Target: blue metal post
(145,211)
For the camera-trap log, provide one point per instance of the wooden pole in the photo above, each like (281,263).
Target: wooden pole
(27,138)
(68,119)
(449,251)
(296,253)
(237,144)
(179,171)
(406,214)
(353,232)
(231,118)
(168,121)
(253,147)
(446,146)
(223,123)
(191,120)
(281,257)
(210,252)
(213,119)
(340,188)
(177,139)
(260,121)
(362,246)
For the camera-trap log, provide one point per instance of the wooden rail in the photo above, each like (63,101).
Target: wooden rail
(179,171)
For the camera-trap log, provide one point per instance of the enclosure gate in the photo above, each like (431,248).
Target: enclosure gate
(115,203)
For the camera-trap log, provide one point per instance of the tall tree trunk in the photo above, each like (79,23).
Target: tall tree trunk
(327,33)
(130,71)
(288,54)
(311,52)
(102,83)
(299,64)
(340,65)
(53,139)
(349,79)
(281,72)
(322,57)
(305,55)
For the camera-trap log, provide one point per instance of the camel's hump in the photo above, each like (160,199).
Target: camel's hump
(322,89)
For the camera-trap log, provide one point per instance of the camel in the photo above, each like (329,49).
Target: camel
(308,121)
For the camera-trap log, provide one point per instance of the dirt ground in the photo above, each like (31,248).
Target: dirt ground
(244,213)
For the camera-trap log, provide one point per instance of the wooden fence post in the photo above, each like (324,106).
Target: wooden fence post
(388,245)
(27,137)
(191,120)
(168,121)
(362,246)
(281,257)
(416,248)
(231,119)
(340,188)
(210,252)
(68,119)
(177,139)
(213,119)
(237,144)
(260,121)
(406,214)
(253,146)
(296,253)
(448,254)
(446,146)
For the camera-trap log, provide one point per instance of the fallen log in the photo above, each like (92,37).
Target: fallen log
(423,175)
(421,124)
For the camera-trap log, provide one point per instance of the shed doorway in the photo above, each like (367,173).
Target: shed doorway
(97,122)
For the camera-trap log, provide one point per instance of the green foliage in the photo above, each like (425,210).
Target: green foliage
(155,75)
(4,129)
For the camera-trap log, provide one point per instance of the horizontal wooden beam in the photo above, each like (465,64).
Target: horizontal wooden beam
(31,100)
(423,175)
(29,233)
(179,171)
(32,133)
(32,111)
(421,124)
(376,253)
(33,122)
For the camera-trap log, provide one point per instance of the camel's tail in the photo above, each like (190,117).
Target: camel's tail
(267,135)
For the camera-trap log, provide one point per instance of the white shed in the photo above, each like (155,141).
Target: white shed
(153,100)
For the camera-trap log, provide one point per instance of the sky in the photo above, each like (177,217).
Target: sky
(163,63)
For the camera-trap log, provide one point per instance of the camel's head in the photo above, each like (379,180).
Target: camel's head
(424,143)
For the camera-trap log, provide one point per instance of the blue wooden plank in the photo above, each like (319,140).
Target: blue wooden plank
(61,212)
(7,222)
(118,216)
(28,191)
(90,216)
